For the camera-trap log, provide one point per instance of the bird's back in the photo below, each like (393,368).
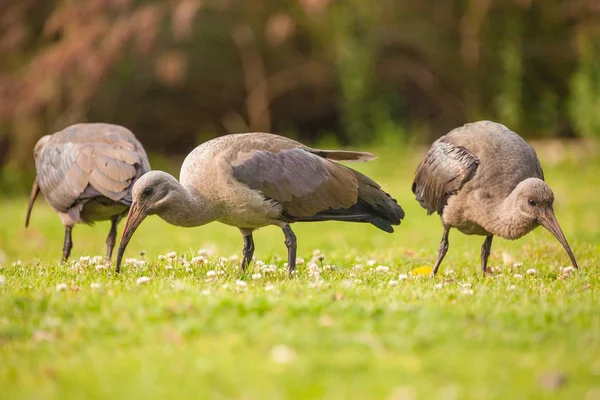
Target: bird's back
(89,161)
(505,159)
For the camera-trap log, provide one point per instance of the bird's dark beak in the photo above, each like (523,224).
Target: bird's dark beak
(35,190)
(134,219)
(548,221)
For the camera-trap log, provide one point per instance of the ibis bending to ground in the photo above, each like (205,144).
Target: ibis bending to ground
(484,179)
(252,180)
(86,173)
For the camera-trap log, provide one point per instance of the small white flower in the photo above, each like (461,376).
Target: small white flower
(320,257)
(223,260)
(256,276)
(162,257)
(240,283)
(402,277)
(269,287)
(198,260)
(84,259)
(370,263)
(569,269)
(511,287)
(282,354)
(531,271)
(101,267)
(169,266)
(142,280)
(95,286)
(467,291)
(185,264)
(259,263)
(382,268)
(211,274)
(465,285)
(517,276)
(328,267)
(358,266)
(203,252)
(234,258)
(17,263)
(449,272)
(393,282)
(171,254)
(299,261)
(189,270)
(316,252)
(61,287)
(438,286)
(517,265)
(205,292)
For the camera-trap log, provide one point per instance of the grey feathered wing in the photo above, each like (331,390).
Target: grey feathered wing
(442,172)
(90,160)
(310,187)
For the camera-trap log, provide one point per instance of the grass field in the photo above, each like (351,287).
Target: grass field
(350,326)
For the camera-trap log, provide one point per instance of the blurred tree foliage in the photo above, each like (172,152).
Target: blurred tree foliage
(179,72)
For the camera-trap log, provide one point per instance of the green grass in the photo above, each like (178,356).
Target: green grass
(348,334)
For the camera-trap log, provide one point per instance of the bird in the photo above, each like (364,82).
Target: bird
(252,180)
(484,179)
(86,172)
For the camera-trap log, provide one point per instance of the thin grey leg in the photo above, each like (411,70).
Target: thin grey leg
(442,250)
(486,247)
(111,239)
(248,251)
(68,243)
(290,242)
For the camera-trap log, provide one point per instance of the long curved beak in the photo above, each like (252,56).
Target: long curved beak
(548,221)
(134,219)
(35,190)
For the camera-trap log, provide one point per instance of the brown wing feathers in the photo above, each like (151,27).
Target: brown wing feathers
(312,188)
(443,171)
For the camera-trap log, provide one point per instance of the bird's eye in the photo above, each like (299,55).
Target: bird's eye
(147,192)
(531,202)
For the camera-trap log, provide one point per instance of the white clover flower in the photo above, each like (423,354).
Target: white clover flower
(17,263)
(316,252)
(130,261)
(211,274)
(511,287)
(517,265)
(320,257)
(370,263)
(393,282)
(234,258)
(95,285)
(168,266)
(382,268)
(142,280)
(269,287)
(185,264)
(569,269)
(467,292)
(517,276)
(259,263)
(84,259)
(465,285)
(162,257)
(449,272)
(101,267)
(203,252)
(198,260)
(358,266)
(282,354)
(223,260)
(402,277)
(256,276)
(299,261)
(531,271)
(328,267)
(61,287)
(97,260)
(438,286)
(171,254)
(241,284)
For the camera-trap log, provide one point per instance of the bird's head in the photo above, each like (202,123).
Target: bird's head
(535,201)
(151,194)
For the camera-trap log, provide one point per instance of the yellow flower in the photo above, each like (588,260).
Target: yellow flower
(424,270)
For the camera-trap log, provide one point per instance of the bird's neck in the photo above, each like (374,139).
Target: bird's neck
(188,207)
(508,222)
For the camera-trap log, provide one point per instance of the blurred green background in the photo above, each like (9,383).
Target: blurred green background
(350,72)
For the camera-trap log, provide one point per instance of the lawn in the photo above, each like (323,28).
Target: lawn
(355,324)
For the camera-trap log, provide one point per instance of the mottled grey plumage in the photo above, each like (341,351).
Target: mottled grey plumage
(484,179)
(86,173)
(258,179)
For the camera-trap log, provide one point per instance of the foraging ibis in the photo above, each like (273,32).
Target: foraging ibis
(484,179)
(252,180)
(86,173)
